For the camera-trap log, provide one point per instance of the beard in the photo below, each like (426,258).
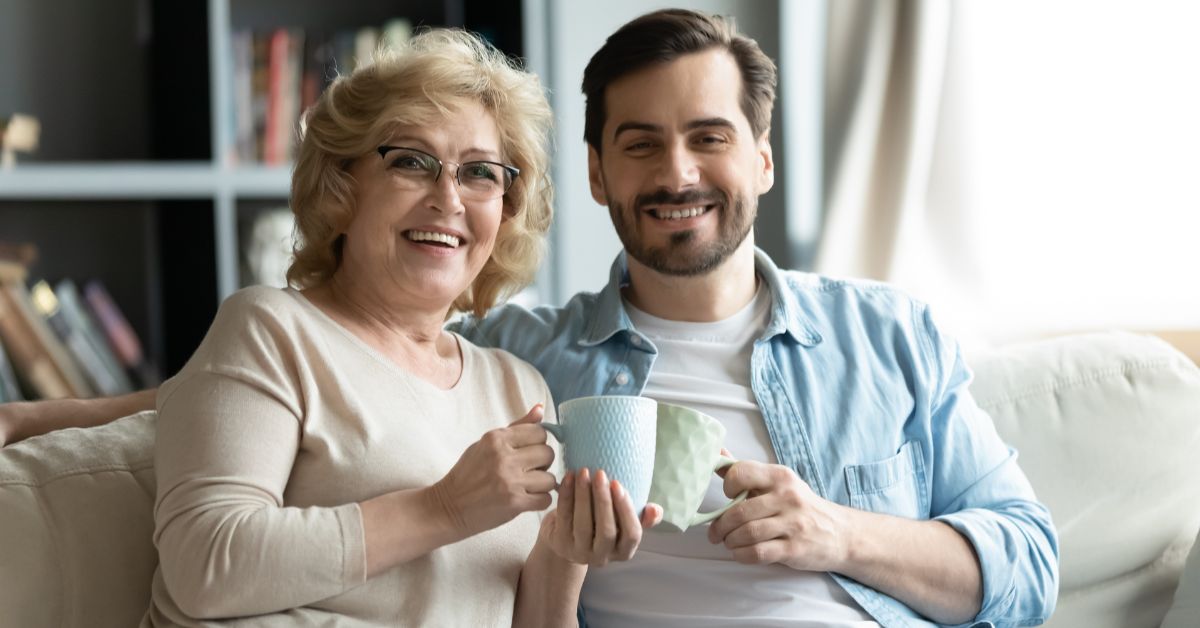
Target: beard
(684,255)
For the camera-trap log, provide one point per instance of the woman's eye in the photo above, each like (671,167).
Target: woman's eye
(479,171)
(408,163)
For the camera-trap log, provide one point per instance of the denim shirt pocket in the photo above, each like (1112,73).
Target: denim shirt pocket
(894,486)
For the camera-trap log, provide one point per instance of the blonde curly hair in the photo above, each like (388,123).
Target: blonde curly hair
(418,84)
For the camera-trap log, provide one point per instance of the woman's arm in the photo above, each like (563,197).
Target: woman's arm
(594,524)
(498,477)
(24,419)
(228,545)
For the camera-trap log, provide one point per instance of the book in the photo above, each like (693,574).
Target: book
(38,357)
(73,337)
(78,315)
(121,337)
(10,390)
(242,42)
(283,96)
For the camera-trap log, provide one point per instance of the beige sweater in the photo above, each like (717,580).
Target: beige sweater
(268,437)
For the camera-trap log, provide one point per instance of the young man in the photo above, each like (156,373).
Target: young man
(879,492)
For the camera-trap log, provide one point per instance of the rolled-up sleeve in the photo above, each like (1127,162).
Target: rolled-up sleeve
(980,491)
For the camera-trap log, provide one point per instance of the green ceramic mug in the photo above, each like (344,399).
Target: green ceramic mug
(687,453)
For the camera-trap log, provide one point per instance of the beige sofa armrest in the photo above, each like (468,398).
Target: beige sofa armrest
(77,525)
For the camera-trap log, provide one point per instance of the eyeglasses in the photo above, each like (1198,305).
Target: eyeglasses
(477,180)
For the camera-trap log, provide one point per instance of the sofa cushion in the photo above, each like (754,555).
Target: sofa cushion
(76,519)
(1108,430)
(1185,609)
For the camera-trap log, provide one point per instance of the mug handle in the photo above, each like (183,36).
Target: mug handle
(705,517)
(557,430)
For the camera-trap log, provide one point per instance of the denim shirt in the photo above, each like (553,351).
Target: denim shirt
(863,397)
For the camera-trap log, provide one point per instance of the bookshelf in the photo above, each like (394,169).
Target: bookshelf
(136,182)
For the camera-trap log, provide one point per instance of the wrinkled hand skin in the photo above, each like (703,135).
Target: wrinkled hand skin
(595,523)
(498,477)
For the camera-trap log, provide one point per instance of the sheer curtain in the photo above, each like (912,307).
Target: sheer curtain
(1025,166)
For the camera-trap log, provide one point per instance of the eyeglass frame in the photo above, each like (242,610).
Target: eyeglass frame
(512,171)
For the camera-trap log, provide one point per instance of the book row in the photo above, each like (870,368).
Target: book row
(61,341)
(279,74)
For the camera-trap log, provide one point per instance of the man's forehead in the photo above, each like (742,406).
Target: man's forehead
(678,94)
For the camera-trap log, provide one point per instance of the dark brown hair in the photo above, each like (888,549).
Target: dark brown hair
(663,36)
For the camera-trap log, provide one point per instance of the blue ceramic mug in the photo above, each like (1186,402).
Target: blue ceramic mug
(610,432)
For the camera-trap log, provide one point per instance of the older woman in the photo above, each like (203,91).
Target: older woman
(330,455)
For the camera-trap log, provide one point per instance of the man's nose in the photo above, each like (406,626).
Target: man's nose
(678,169)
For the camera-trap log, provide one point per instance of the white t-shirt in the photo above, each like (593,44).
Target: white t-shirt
(682,579)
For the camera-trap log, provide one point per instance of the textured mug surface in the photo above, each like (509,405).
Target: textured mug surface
(610,432)
(687,452)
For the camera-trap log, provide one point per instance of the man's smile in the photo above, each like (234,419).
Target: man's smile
(679,213)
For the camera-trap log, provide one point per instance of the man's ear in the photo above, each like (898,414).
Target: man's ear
(595,177)
(766,175)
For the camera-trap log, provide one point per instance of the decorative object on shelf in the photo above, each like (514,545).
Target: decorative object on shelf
(269,249)
(18,133)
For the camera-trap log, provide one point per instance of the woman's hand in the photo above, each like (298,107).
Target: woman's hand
(498,477)
(595,522)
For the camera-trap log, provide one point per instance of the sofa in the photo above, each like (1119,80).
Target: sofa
(1107,426)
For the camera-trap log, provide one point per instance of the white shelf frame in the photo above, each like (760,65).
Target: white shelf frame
(220,180)
(132,180)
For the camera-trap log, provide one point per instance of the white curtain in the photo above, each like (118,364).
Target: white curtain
(1025,166)
(884,71)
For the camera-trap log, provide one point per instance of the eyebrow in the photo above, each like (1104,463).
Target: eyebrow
(657,128)
(410,141)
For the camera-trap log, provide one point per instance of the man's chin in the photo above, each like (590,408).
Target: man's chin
(682,261)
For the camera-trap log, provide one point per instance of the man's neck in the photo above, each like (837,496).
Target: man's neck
(712,296)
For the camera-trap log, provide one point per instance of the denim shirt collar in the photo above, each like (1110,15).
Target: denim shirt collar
(787,314)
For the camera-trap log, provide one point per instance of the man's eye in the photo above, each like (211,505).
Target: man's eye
(639,146)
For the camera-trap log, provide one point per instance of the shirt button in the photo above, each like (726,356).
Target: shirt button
(622,379)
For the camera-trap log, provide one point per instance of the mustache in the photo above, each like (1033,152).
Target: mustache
(667,197)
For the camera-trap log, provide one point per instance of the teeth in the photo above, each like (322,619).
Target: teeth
(430,236)
(679,214)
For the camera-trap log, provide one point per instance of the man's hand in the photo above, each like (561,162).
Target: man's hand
(595,522)
(782,521)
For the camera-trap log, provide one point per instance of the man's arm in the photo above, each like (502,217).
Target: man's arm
(988,546)
(927,565)
(24,419)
